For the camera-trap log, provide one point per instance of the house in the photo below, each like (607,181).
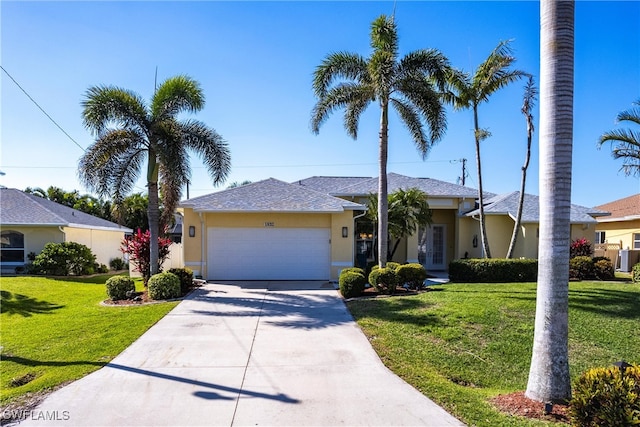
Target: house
(500,216)
(28,222)
(621,230)
(315,227)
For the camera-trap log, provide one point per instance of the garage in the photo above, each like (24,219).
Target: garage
(269,253)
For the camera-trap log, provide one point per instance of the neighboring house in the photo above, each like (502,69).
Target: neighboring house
(500,215)
(621,230)
(28,222)
(315,227)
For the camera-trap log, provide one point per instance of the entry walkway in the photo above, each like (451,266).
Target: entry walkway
(240,354)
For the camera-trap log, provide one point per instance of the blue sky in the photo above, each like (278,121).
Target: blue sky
(255,61)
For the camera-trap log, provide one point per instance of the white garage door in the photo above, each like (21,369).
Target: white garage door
(269,253)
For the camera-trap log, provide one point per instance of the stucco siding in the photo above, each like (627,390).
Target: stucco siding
(104,244)
(619,232)
(36,237)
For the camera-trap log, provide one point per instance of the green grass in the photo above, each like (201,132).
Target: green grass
(55,330)
(465,343)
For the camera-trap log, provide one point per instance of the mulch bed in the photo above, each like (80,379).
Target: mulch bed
(518,404)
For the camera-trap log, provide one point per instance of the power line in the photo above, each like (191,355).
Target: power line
(42,109)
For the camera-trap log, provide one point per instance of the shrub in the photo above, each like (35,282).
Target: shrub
(393,265)
(606,397)
(119,286)
(63,259)
(412,274)
(164,286)
(384,280)
(581,267)
(603,269)
(351,283)
(117,264)
(635,273)
(100,268)
(138,247)
(352,270)
(186,278)
(494,270)
(580,247)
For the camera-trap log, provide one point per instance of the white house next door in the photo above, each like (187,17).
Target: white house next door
(432,247)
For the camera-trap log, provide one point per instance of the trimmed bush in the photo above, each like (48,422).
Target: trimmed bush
(118,286)
(163,286)
(352,270)
(384,280)
(64,259)
(603,269)
(581,267)
(493,270)
(117,264)
(100,268)
(635,273)
(186,278)
(351,283)
(412,274)
(606,397)
(580,247)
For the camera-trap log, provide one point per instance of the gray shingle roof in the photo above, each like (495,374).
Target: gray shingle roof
(329,184)
(507,204)
(270,195)
(20,208)
(364,186)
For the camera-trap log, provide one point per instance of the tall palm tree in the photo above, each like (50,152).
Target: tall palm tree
(471,91)
(549,379)
(625,143)
(411,84)
(129,132)
(530,93)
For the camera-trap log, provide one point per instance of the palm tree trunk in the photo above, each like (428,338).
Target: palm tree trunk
(153,211)
(483,226)
(383,200)
(549,373)
(516,226)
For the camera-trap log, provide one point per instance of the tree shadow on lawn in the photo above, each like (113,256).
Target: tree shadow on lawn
(608,302)
(12,303)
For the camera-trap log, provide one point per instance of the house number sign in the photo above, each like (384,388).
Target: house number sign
(269,224)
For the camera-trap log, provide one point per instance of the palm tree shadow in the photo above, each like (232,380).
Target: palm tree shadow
(23,305)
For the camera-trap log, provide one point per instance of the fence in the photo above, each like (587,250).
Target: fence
(609,250)
(174,260)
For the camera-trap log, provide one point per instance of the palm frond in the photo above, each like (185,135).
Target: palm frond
(176,94)
(382,68)
(103,106)
(340,65)
(411,119)
(622,137)
(355,108)
(431,62)
(210,147)
(632,115)
(384,35)
(340,96)
(421,94)
(112,164)
(459,91)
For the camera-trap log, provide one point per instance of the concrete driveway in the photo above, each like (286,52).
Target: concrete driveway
(240,354)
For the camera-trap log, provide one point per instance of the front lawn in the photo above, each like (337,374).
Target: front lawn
(465,343)
(55,330)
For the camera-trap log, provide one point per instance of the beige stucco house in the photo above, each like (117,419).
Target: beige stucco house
(313,228)
(621,230)
(28,222)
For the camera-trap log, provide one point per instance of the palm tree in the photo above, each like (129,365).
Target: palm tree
(625,143)
(408,210)
(411,84)
(129,132)
(470,91)
(549,379)
(530,93)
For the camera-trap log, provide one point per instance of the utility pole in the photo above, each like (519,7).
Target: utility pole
(464,170)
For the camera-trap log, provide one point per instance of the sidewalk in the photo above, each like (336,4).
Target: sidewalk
(261,353)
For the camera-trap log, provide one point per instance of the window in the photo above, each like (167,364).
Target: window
(636,240)
(600,237)
(12,247)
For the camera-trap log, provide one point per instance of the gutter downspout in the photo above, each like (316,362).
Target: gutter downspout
(64,234)
(201,244)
